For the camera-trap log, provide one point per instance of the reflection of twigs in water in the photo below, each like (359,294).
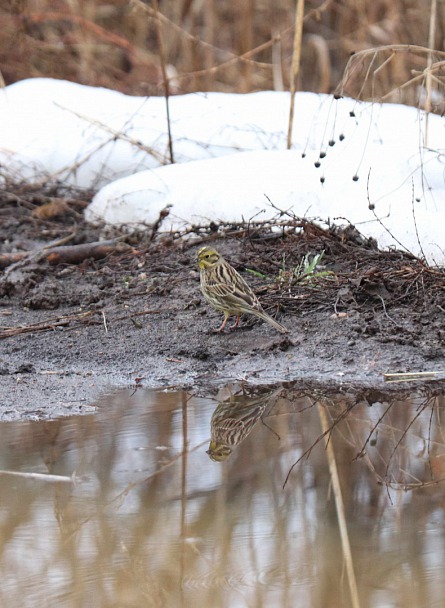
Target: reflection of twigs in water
(429,439)
(403,485)
(183,454)
(368,439)
(307,452)
(170,463)
(233,421)
(270,429)
(405,432)
(184,462)
(346,547)
(390,430)
(395,485)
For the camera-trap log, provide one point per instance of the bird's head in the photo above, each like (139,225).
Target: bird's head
(218,451)
(208,258)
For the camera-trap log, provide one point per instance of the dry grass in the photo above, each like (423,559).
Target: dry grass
(224,46)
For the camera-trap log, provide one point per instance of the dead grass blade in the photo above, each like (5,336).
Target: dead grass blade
(413,376)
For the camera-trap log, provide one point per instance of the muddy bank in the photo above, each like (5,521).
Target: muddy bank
(72,330)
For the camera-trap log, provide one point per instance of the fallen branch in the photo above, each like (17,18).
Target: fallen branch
(69,254)
(64,321)
(6,259)
(8,332)
(74,254)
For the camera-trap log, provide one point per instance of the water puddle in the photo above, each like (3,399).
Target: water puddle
(287,498)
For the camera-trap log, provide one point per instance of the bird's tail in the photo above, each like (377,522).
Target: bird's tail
(263,315)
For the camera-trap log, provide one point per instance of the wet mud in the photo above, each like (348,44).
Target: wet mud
(135,316)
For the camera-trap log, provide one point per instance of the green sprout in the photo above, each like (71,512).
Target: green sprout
(307,271)
(256,273)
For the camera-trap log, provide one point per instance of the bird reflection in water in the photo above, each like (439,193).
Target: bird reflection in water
(233,420)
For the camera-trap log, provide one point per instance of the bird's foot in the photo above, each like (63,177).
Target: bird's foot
(235,325)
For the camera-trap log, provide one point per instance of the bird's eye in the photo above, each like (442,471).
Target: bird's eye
(207,256)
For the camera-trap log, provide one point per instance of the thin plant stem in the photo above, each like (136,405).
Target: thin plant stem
(428,84)
(209,49)
(164,76)
(246,41)
(296,55)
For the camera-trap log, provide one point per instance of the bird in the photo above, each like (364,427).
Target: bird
(226,290)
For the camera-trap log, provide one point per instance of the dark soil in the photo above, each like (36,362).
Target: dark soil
(71,331)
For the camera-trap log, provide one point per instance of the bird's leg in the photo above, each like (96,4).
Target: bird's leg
(221,329)
(236,322)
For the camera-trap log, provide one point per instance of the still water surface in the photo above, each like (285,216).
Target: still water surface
(171,507)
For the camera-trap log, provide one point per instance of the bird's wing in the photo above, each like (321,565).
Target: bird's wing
(236,296)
